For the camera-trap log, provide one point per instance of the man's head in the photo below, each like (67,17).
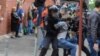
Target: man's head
(53,11)
(63,9)
(97,5)
(19,6)
(14,9)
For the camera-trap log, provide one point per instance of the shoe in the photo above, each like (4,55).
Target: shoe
(18,36)
(11,37)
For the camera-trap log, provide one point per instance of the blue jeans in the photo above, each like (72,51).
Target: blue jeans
(40,9)
(99,48)
(30,26)
(46,42)
(42,37)
(63,43)
(72,40)
(21,28)
(91,43)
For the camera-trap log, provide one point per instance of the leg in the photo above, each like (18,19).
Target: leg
(40,38)
(99,53)
(99,48)
(21,28)
(83,47)
(45,46)
(66,52)
(86,51)
(66,44)
(43,52)
(30,25)
(17,30)
(73,41)
(92,51)
(55,47)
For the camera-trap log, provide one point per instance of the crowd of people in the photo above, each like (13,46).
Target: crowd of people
(62,30)
(60,26)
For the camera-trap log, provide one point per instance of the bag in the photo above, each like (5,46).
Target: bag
(25,30)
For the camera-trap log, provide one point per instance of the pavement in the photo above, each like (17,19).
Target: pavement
(23,46)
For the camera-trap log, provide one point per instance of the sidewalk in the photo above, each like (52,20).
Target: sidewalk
(17,47)
(24,46)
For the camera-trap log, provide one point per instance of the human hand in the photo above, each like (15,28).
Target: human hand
(96,47)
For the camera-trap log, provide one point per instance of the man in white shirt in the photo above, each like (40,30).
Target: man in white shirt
(62,42)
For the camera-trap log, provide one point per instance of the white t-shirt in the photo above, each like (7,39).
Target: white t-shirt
(63,29)
(62,35)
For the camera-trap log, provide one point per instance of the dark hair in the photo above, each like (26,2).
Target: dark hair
(97,4)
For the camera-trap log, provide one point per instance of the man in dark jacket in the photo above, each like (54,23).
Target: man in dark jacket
(40,6)
(15,22)
(51,31)
(94,30)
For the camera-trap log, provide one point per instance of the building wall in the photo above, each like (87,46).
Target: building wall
(2,14)
(6,11)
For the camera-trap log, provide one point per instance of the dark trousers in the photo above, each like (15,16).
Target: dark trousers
(99,47)
(92,52)
(83,47)
(99,52)
(17,30)
(45,45)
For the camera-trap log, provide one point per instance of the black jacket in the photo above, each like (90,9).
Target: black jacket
(14,18)
(38,3)
(94,25)
(49,26)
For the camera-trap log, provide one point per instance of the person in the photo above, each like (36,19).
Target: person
(20,13)
(40,7)
(15,20)
(44,14)
(84,31)
(51,32)
(31,15)
(67,18)
(94,30)
(62,42)
(42,25)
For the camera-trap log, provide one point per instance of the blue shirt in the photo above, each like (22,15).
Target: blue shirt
(20,12)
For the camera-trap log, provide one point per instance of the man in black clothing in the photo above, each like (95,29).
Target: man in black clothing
(94,30)
(51,31)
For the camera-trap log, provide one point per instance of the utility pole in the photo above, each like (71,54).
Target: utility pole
(80,27)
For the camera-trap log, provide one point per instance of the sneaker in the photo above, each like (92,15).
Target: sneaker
(12,37)
(18,36)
